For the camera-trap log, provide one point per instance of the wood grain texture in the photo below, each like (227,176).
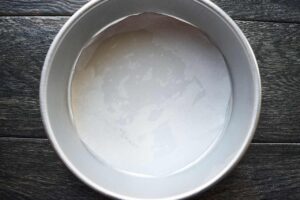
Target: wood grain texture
(30,169)
(23,46)
(262,10)
(25,41)
(269,10)
(276,47)
(40,7)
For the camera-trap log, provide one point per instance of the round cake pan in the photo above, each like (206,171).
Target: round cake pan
(167,129)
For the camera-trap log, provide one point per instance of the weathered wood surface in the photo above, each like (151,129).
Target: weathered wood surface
(30,169)
(268,10)
(25,41)
(23,45)
(40,7)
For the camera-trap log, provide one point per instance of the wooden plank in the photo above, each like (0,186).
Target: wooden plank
(25,41)
(262,10)
(23,46)
(269,10)
(276,47)
(40,7)
(30,169)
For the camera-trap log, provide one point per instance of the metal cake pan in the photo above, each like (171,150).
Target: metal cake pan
(225,154)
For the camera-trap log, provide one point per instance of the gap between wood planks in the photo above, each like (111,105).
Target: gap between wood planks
(235,18)
(46,139)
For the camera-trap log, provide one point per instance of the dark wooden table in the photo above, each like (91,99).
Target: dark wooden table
(29,167)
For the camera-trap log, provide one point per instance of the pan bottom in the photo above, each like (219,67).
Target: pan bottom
(150,96)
